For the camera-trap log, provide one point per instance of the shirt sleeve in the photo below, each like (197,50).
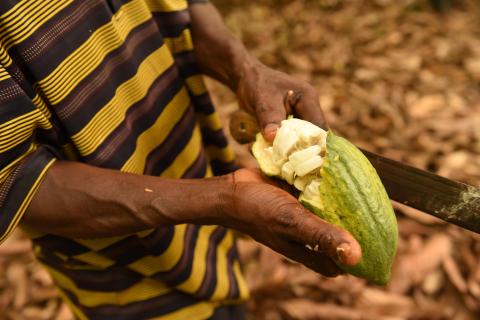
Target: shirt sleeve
(23,161)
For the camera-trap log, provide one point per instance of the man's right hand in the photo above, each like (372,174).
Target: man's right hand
(276,219)
(80,201)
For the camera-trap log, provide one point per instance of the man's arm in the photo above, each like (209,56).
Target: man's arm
(80,201)
(260,90)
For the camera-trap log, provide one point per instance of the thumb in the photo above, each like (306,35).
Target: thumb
(269,118)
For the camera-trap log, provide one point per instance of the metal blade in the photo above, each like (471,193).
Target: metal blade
(449,200)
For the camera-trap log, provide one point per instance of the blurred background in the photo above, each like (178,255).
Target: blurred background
(400,78)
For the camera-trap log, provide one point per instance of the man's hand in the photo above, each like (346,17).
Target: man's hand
(274,218)
(262,91)
(272,95)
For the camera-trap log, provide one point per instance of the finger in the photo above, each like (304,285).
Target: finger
(306,228)
(316,261)
(308,108)
(269,116)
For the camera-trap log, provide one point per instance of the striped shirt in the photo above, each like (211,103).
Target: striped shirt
(114,83)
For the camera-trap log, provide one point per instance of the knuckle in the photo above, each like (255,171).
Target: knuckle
(285,216)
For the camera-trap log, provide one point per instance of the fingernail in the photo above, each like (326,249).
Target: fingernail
(270,130)
(343,252)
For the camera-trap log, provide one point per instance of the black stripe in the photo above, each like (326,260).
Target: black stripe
(12,93)
(172,24)
(111,279)
(59,50)
(28,173)
(12,154)
(198,169)
(203,104)
(214,137)
(6,5)
(145,309)
(130,56)
(187,64)
(65,246)
(15,106)
(164,155)
(232,256)
(219,168)
(133,248)
(122,142)
(209,281)
(182,270)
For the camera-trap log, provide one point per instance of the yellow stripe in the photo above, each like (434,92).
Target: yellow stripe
(149,265)
(28,21)
(181,43)
(202,310)
(223,283)
(5,59)
(99,244)
(166,5)
(194,281)
(157,133)
(42,106)
(90,54)
(211,121)
(196,85)
(128,93)
(241,283)
(21,128)
(186,158)
(4,74)
(224,154)
(95,260)
(26,202)
(143,290)
(209,172)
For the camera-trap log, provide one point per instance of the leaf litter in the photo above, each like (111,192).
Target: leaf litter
(395,77)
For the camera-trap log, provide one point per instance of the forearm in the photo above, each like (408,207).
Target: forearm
(219,53)
(77,200)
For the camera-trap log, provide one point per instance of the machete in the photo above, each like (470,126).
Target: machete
(449,200)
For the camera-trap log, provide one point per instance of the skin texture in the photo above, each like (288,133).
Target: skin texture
(77,200)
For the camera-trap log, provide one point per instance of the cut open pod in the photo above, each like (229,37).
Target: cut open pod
(337,183)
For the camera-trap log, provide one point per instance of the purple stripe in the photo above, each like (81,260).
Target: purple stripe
(199,167)
(203,104)
(183,268)
(210,278)
(145,309)
(139,117)
(214,137)
(232,256)
(162,156)
(112,279)
(93,84)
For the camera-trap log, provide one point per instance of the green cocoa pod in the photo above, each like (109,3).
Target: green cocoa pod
(343,188)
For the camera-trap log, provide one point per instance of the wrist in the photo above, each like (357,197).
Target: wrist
(242,65)
(196,201)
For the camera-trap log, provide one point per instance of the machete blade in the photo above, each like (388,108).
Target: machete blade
(449,200)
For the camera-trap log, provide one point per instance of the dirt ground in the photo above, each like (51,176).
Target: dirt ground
(395,77)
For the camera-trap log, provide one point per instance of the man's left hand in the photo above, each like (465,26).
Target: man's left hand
(272,96)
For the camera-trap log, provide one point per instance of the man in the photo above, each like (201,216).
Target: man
(102,112)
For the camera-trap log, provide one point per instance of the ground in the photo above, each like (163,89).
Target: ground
(395,77)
